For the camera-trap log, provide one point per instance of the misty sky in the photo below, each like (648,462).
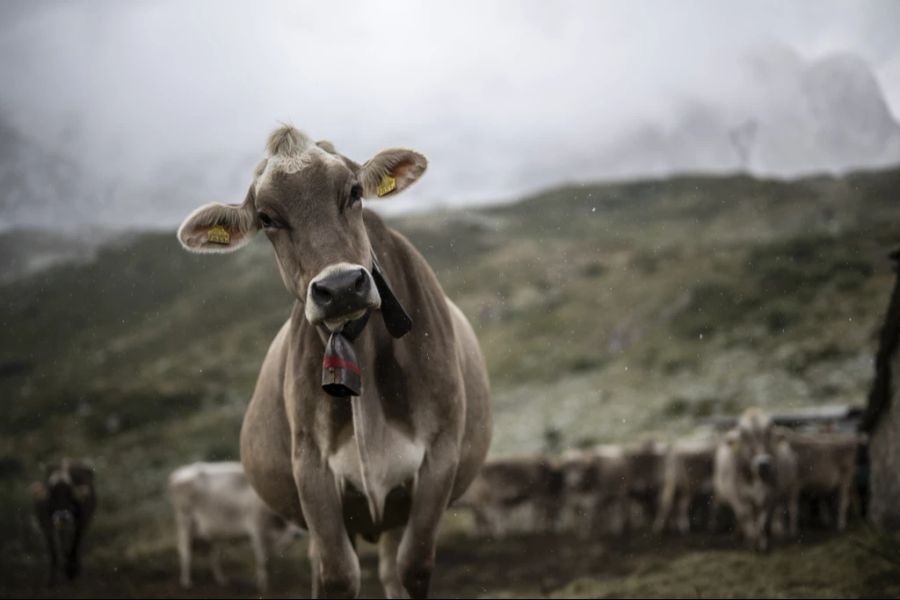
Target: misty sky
(487,90)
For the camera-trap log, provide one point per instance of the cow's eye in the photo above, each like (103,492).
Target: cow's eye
(266,222)
(355,194)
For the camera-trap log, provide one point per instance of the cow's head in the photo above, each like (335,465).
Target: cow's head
(753,441)
(60,496)
(307,199)
(579,471)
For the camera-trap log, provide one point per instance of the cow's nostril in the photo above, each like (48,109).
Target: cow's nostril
(321,295)
(360,284)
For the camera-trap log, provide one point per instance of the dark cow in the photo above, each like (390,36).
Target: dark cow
(595,490)
(64,502)
(646,477)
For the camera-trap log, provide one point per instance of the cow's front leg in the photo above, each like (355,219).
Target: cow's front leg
(260,547)
(793,510)
(684,512)
(387,564)
(431,494)
(52,541)
(666,503)
(763,527)
(844,504)
(746,521)
(335,566)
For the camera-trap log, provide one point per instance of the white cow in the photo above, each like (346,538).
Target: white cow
(214,503)
(687,475)
(745,476)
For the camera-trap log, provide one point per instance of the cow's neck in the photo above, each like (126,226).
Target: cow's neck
(386,449)
(382,452)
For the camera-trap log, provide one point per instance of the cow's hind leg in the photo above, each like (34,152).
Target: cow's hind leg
(261,555)
(712,521)
(843,505)
(183,542)
(620,508)
(52,541)
(73,556)
(793,510)
(684,512)
(666,500)
(215,564)
(388,546)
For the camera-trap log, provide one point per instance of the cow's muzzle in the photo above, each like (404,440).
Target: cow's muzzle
(764,467)
(340,299)
(62,518)
(339,294)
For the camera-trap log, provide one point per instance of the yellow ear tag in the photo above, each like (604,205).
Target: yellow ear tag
(388,184)
(218,235)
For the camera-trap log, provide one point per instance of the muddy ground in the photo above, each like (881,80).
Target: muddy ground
(819,565)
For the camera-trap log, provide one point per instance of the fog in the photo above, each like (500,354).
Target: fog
(155,107)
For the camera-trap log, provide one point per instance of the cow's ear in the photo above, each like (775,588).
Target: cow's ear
(218,227)
(82,492)
(38,491)
(779,435)
(390,172)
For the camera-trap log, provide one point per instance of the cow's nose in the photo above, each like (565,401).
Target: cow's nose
(764,468)
(341,292)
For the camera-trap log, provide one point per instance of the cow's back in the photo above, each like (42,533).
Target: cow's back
(825,461)
(693,466)
(216,498)
(646,468)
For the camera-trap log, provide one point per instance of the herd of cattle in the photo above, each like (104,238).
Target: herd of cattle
(758,470)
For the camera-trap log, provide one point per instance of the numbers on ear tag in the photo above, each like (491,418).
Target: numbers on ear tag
(388,184)
(218,235)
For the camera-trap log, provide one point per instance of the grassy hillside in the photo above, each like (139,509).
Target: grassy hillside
(606,312)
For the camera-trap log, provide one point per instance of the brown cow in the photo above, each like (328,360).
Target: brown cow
(646,476)
(375,446)
(688,476)
(826,465)
(517,493)
(595,490)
